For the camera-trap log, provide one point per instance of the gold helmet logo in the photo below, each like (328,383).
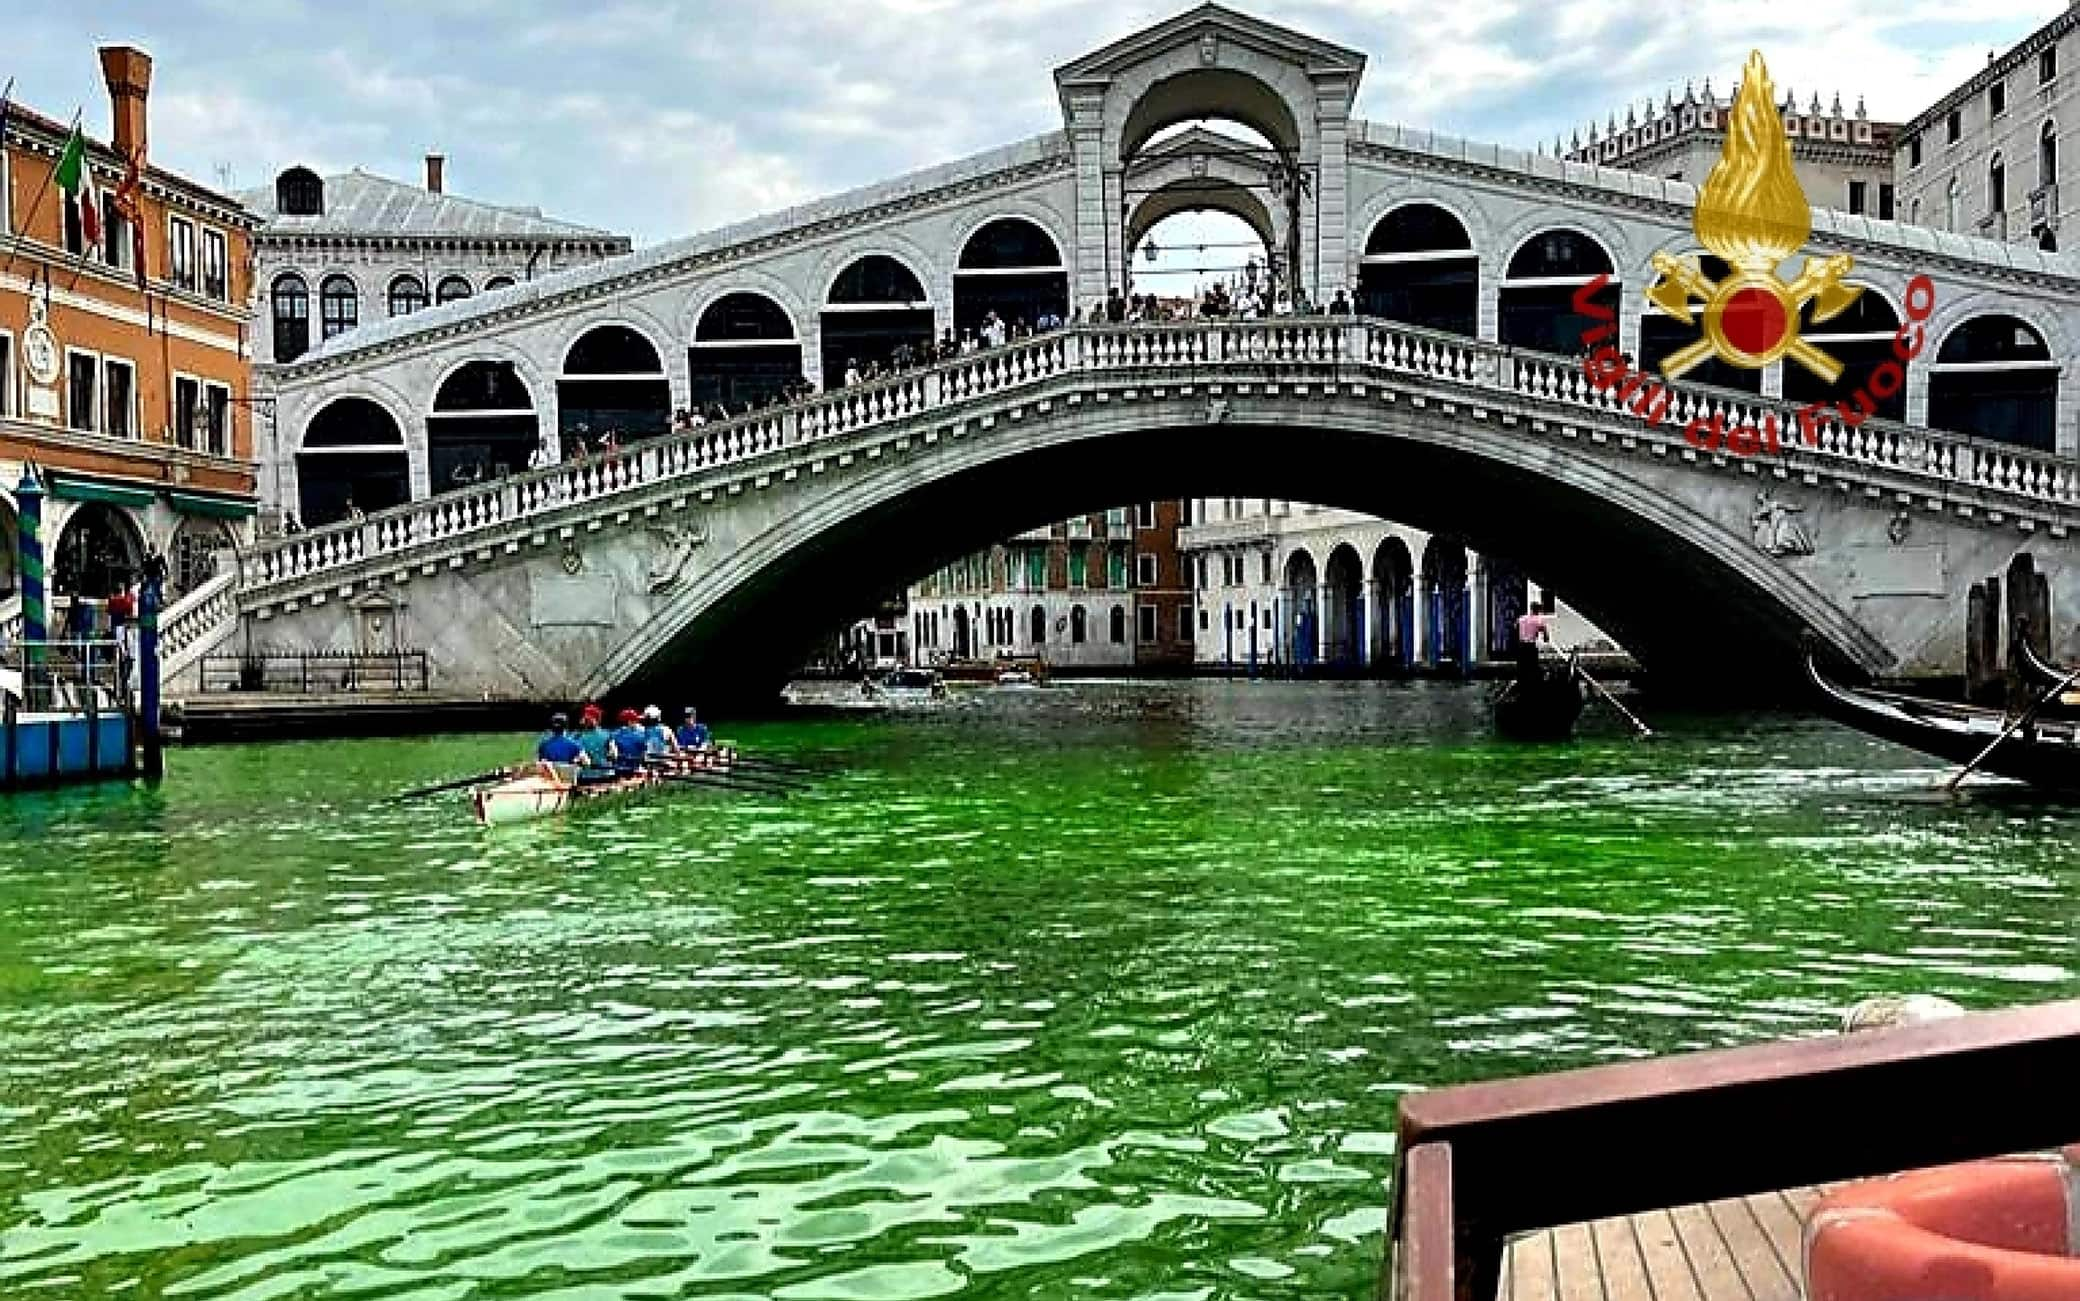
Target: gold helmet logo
(1753,215)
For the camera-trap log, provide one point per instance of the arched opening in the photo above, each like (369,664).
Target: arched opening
(1953,206)
(98,551)
(339,306)
(483,426)
(1995,378)
(961,648)
(876,308)
(1861,339)
(452,289)
(291,302)
(744,354)
(10,551)
(613,382)
(1119,625)
(407,294)
(299,193)
(1420,268)
(1079,625)
(1444,588)
(1393,577)
(1038,621)
(1508,599)
(353,455)
(1204,252)
(1661,334)
(1012,267)
(496,283)
(1343,622)
(1997,186)
(1208,94)
(1301,634)
(194,559)
(1536,301)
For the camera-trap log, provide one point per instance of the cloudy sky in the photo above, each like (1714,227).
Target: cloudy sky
(663,117)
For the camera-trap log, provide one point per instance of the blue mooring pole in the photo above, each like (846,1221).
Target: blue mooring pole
(149,596)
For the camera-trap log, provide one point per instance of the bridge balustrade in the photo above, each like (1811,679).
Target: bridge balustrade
(1274,342)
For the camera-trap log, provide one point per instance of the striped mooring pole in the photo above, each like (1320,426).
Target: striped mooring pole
(28,513)
(150,595)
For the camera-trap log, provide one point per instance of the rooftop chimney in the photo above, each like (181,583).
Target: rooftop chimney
(128,72)
(435,163)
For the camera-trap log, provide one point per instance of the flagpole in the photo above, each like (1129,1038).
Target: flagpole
(49,178)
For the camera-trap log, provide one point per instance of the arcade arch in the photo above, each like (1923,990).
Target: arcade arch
(353,454)
(1300,636)
(1861,339)
(1393,626)
(1535,306)
(876,307)
(1010,266)
(1994,377)
(1444,586)
(613,381)
(99,549)
(1343,618)
(483,426)
(1661,334)
(1420,268)
(744,353)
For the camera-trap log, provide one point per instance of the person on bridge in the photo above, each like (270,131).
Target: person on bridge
(1533,627)
(657,738)
(693,733)
(628,744)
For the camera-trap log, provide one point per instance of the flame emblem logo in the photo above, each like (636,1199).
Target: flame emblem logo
(1753,215)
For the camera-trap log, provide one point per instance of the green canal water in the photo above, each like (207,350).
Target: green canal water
(1105,991)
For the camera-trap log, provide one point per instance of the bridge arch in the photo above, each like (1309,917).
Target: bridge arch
(483,424)
(1420,266)
(1013,265)
(874,311)
(352,453)
(1995,377)
(744,346)
(613,378)
(1545,268)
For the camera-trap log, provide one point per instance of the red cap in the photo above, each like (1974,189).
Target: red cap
(631,716)
(589,714)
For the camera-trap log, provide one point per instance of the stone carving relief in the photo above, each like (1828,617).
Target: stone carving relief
(1777,530)
(673,552)
(1209,49)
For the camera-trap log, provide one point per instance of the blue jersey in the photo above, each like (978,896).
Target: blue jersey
(629,745)
(694,736)
(657,739)
(593,740)
(558,748)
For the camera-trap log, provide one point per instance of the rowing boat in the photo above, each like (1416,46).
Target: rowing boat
(541,789)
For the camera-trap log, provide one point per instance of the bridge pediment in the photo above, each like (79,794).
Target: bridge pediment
(1202,32)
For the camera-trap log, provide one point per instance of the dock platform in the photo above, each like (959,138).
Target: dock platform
(1740,1249)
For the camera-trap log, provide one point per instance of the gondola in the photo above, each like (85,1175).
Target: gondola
(2044,753)
(2047,675)
(1542,709)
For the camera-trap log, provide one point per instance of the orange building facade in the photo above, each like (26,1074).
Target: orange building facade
(128,394)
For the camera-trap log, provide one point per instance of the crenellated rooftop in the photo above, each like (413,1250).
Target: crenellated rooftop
(1649,126)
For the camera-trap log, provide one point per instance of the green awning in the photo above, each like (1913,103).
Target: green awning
(74,488)
(197,503)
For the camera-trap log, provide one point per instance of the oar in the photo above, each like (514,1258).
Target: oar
(665,768)
(1612,701)
(719,781)
(2021,720)
(496,774)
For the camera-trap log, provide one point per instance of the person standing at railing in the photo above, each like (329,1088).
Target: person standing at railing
(1340,305)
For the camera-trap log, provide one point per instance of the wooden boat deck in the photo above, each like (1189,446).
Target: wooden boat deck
(1740,1249)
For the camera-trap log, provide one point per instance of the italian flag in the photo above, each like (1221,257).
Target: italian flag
(77,180)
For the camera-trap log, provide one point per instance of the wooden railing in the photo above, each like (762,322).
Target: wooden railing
(1480,1162)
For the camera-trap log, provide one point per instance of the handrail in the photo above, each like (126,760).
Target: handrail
(1480,1162)
(1470,365)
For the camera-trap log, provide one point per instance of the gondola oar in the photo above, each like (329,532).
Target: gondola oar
(496,774)
(2021,720)
(1644,731)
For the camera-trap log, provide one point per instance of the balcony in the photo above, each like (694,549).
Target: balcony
(2043,208)
(1994,225)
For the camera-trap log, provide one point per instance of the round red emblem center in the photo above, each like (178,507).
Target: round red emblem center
(1753,321)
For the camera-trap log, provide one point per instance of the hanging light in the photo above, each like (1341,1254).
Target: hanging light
(1148,251)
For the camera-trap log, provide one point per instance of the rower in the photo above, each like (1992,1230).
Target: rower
(693,734)
(657,738)
(628,744)
(1533,627)
(595,741)
(557,746)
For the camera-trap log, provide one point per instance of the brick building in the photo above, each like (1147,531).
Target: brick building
(127,392)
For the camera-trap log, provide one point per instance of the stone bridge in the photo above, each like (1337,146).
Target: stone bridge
(705,562)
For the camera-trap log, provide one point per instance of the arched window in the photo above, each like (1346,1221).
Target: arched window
(352,455)
(1039,622)
(1011,267)
(1420,268)
(407,295)
(1119,625)
(452,289)
(744,352)
(1953,205)
(483,426)
(1078,625)
(877,313)
(2047,154)
(1536,302)
(339,306)
(496,283)
(1995,378)
(1997,185)
(613,380)
(292,317)
(1861,339)
(1661,334)
(299,193)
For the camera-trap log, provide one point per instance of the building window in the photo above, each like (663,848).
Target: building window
(83,384)
(75,236)
(1997,98)
(1078,567)
(2047,64)
(2047,154)
(1997,185)
(1885,200)
(6,374)
(1145,515)
(292,317)
(1914,151)
(1184,622)
(498,282)
(1267,567)
(339,306)
(452,289)
(1116,519)
(299,193)
(216,266)
(1953,204)
(1145,569)
(119,397)
(1147,621)
(180,252)
(1856,190)
(407,295)
(1202,619)
(1119,624)
(115,233)
(187,412)
(1078,625)
(216,411)
(1953,126)
(1116,569)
